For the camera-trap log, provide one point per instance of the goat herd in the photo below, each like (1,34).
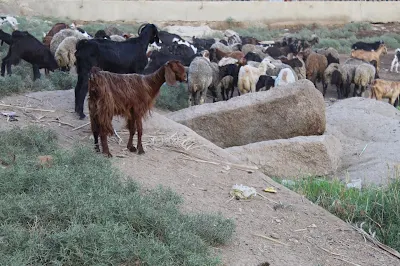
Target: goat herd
(106,64)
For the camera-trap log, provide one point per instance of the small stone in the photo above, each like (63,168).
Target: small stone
(275,236)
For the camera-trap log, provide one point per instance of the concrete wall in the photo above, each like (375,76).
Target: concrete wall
(311,11)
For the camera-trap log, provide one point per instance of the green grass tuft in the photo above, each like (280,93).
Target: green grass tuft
(79,212)
(173,98)
(379,207)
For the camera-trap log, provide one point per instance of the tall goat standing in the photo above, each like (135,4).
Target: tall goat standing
(118,57)
(371,55)
(127,95)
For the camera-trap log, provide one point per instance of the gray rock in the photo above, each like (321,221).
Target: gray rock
(366,123)
(313,155)
(297,109)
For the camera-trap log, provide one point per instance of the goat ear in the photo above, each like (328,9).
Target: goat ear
(170,75)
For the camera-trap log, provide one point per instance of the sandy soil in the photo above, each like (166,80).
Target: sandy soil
(310,235)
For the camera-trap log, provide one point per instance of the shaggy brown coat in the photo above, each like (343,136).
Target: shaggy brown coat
(128,95)
(385,89)
(315,68)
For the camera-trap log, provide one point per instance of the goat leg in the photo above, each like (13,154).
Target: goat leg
(36,72)
(82,91)
(140,132)
(132,129)
(3,67)
(104,144)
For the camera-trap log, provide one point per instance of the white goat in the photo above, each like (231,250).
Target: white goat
(249,75)
(395,61)
(10,20)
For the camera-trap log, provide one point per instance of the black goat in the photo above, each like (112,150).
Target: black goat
(202,44)
(250,56)
(177,49)
(276,52)
(266,82)
(25,46)
(249,40)
(5,37)
(158,59)
(169,38)
(101,34)
(294,62)
(119,57)
(367,46)
(230,70)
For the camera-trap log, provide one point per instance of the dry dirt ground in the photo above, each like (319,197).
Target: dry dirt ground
(308,234)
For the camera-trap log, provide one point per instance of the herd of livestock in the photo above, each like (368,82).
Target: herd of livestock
(123,73)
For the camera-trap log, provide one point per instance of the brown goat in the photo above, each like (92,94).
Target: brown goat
(385,89)
(315,67)
(235,54)
(128,95)
(370,55)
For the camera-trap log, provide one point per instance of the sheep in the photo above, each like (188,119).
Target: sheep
(385,89)
(25,46)
(249,40)
(251,56)
(285,77)
(364,75)
(61,35)
(222,47)
(328,73)
(200,78)
(265,82)
(119,57)
(226,61)
(49,36)
(226,85)
(232,37)
(231,70)
(248,76)
(370,55)
(348,72)
(117,38)
(395,61)
(275,52)
(74,27)
(331,54)
(315,67)
(129,95)
(214,86)
(101,34)
(247,48)
(65,53)
(10,20)
(203,44)
(278,67)
(367,46)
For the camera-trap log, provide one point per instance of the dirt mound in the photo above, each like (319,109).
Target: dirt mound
(310,235)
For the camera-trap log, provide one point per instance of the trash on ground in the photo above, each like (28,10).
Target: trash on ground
(242,192)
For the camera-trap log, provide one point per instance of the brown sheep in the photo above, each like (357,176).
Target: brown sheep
(385,89)
(315,67)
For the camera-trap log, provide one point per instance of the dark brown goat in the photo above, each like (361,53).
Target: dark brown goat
(127,95)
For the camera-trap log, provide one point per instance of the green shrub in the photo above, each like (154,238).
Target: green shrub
(63,80)
(79,212)
(173,98)
(377,206)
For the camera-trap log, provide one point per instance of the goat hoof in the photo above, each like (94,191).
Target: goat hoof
(97,149)
(107,154)
(141,152)
(132,149)
(82,116)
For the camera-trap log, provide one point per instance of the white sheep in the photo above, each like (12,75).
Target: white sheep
(61,35)
(10,20)
(363,76)
(65,53)
(285,77)
(117,38)
(200,77)
(248,76)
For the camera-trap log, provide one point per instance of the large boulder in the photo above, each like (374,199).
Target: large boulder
(297,109)
(313,155)
(369,131)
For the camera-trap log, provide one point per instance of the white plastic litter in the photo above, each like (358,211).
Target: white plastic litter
(355,183)
(243,192)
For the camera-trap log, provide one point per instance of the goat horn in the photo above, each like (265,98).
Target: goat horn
(141,27)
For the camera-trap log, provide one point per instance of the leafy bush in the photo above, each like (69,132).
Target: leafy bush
(79,212)
(173,98)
